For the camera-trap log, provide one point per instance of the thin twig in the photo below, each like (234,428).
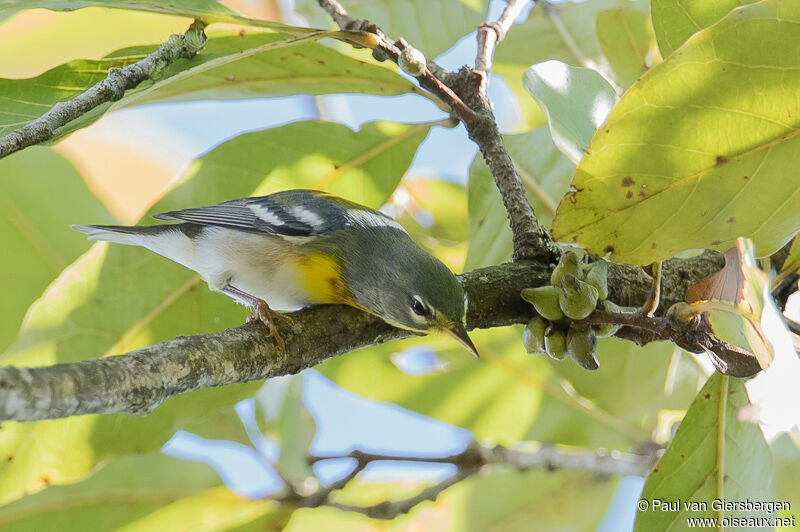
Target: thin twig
(391,509)
(489,34)
(598,462)
(639,320)
(366,458)
(337,13)
(383,49)
(475,457)
(552,13)
(110,89)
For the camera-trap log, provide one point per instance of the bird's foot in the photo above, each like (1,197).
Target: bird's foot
(268,317)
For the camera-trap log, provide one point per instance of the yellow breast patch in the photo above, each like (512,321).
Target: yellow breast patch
(320,275)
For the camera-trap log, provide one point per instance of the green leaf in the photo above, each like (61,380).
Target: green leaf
(211,510)
(568,35)
(713,456)
(127,489)
(544,171)
(511,501)
(363,166)
(27,39)
(484,398)
(434,212)
(787,468)
(432,26)
(32,228)
(228,67)
(663,175)
(675,21)
(629,394)
(575,100)
(118,298)
(506,396)
(288,422)
(628,42)
(208,10)
(233,66)
(636,383)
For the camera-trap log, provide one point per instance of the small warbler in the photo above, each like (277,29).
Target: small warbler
(303,247)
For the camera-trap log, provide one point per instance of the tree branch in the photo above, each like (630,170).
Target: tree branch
(465,93)
(384,49)
(490,34)
(337,12)
(391,509)
(110,89)
(531,241)
(469,462)
(137,382)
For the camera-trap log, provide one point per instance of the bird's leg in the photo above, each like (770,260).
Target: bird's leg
(261,312)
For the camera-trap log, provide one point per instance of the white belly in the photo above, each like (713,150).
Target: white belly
(255,264)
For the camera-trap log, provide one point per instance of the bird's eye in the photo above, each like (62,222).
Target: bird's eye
(417,306)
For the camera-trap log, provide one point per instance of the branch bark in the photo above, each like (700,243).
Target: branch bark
(465,93)
(490,34)
(137,382)
(470,461)
(110,89)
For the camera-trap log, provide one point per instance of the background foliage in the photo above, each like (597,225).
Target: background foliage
(698,115)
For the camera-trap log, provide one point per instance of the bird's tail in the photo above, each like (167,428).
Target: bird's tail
(120,234)
(172,241)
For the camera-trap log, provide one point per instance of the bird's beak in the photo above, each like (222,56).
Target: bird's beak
(459,333)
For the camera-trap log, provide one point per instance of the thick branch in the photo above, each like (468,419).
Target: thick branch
(473,459)
(137,382)
(531,241)
(112,88)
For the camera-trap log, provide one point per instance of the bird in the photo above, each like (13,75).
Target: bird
(298,248)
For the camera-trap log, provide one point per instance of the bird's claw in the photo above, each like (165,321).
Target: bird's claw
(267,316)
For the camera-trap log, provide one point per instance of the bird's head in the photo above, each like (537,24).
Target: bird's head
(426,297)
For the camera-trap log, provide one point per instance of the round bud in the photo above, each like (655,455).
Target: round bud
(412,61)
(533,336)
(597,276)
(545,300)
(576,298)
(567,264)
(582,347)
(555,343)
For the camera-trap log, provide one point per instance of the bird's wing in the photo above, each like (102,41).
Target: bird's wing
(292,213)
